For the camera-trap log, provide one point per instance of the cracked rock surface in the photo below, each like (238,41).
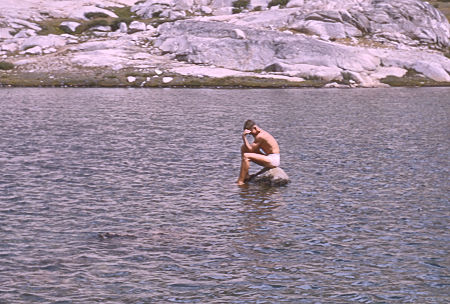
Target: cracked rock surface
(346,43)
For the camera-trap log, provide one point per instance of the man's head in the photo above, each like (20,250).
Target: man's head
(249,124)
(252,127)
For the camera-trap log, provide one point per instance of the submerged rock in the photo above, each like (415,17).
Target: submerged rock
(272,177)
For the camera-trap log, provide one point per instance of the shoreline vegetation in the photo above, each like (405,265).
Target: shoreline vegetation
(285,44)
(92,78)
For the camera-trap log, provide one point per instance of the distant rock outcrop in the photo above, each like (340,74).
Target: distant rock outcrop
(346,43)
(407,22)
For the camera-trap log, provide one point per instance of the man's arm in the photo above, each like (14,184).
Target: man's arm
(254,147)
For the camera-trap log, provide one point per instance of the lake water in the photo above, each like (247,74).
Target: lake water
(128,196)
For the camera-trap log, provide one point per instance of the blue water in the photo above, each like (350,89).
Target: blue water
(128,196)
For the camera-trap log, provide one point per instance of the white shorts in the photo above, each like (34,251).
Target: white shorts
(274,159)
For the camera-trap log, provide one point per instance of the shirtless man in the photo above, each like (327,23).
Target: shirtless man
(264,150)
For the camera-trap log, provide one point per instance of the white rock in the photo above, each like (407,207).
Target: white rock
(101,58)
(239,34)
(25,33)
(44,41)
(137,26)
(28,24)
(131,79)
(81,12)
(101,28)
(335,85)
(295,3)
(173,45)
(177,14)
(321,72)
(49,50)
(25,62)
(258,3)
(141,56)
(69,26)
(102,45)
(383,72)
(167,79)
(123,28)
(158,72)
(432,70)
(10,47)
(5,33)
(184,5)
(325,30)
(101,34)
(228,10)
(362,80)
(37,50)
(206,10)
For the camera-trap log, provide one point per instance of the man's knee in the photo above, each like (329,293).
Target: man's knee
(244,149)
(246,156)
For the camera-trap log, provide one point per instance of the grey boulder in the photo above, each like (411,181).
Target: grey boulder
(272,177)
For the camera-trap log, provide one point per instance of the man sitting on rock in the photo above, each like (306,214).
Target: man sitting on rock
(264,150)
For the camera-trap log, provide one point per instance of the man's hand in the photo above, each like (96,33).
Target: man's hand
(246,132)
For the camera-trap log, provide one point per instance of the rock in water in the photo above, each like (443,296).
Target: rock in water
(272,177)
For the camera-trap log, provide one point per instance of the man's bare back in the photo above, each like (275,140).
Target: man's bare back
(267,142)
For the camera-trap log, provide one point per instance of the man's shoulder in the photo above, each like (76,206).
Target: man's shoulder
(266,134)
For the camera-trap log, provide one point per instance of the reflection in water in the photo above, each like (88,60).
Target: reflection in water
(129,196)
(259,204)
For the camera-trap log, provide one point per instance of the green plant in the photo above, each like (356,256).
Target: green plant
(28,47)
(5,65)
(156,14)
(51,26)
(115,24)
(240,5)
(122,12)
(97,22)
(281,3)
(94,15)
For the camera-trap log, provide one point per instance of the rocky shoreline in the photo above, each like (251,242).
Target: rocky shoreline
(211,43)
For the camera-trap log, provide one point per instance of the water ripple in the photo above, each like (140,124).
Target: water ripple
(128,196)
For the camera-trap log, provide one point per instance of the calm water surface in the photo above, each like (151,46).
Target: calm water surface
(128,196)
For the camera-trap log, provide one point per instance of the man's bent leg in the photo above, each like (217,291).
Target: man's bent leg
(243,174)
(260,159)
(245,165)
